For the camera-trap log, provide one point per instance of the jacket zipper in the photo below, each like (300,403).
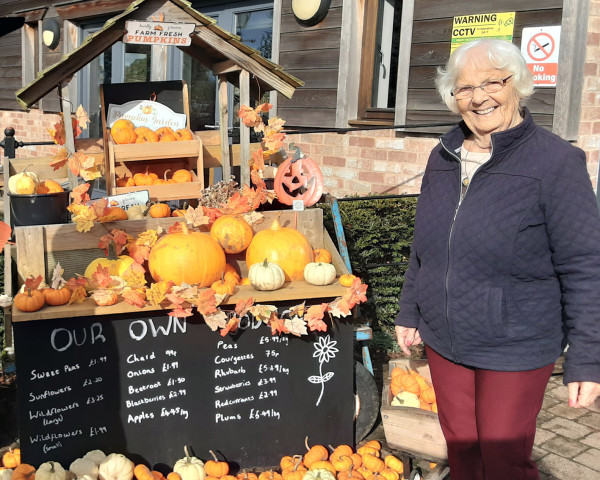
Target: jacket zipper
(461,199)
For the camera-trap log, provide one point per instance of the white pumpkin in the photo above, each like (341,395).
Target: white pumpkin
(318,474)
(96,456)
(84,466)
(319,273)
(6,474)
(50,471)
(137,212)
(115,467)
(266,276)
(406,399)
(190,468)
(24,183)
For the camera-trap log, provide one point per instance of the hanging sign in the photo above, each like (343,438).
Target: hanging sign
(539,47)
(146,113)
(484,25)
(158,33)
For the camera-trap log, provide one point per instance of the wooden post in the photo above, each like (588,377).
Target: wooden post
(224,127)
(69,138)
(244,130)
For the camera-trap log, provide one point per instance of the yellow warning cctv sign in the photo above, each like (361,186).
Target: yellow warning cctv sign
(482,25)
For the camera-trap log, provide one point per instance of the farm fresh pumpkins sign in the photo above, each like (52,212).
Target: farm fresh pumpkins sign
(158,33)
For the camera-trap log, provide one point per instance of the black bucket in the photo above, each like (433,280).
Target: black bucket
(39,209)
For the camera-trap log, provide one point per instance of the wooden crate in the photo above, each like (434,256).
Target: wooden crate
(130,159)
(39,248)
(412,430)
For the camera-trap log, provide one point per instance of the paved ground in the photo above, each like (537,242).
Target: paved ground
(567,442)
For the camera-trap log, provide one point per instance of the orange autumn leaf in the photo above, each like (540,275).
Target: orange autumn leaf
(140,253)
(274,141)
(206,302)
(157,292)
(242,307)
(101,276)
(215,320)
(180,312)
(5,233)
(251,116)
(314,317)
(78,294)
(60,159)
(82,117)
(277,325)
(257,179)
(236,204)
(101,207)
(176,228)
(232,326)
(75,282)
(33,282)
(258,160)
(134,297)
(80,195)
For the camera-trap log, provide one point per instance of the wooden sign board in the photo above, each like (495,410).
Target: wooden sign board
(145,385)
(146,113)
(158,33)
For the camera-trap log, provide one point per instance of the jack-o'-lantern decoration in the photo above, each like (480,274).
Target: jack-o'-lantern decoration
(299,179)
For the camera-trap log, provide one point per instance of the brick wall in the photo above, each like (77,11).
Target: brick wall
(30,127)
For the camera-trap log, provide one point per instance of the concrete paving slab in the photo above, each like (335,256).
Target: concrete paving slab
(568,428)
(592,440)
(564,469)
(564,447)
(590,458)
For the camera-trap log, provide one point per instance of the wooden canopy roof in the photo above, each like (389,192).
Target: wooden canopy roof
(212,46)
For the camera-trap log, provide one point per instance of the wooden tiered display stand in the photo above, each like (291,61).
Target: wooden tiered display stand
(39,248)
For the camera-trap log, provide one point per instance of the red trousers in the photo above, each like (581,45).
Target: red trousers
(488,418)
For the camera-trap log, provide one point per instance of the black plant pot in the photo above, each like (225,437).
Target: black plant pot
(39,209)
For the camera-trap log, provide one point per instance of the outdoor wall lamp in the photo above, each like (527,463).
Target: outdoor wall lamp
(310,12)
(50,33)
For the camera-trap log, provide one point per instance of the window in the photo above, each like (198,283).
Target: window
(379,62)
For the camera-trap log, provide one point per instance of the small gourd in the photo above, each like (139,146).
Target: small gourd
(24,472)
(347,280)
(6,474)
(266,276)
(57,296)
(115,467)
(405,399)
(84,466)
(12,458)
(51,471)
(189,467)
(319,474)
(215,468)
(96,456)
(49,186)
(319,273)
(137,212)
(23,183)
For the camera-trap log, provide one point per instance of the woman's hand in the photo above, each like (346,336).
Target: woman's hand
(407,337)
(581,394)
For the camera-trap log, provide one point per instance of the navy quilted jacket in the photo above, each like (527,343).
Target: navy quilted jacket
(505,279)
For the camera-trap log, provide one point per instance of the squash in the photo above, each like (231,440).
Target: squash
(115,467)
(23,183)
(404,399)
(146,178)
(84,466)
(6,473)
(215,468)
(319,273)
(187,257)
(232,232)
(55,297)
(116,265)
(221,287)
(137,212)
(145,135)
(394,463)
(182,176)
(49,186)
(12,458)
(319,474)
(326,464)
(115,214)
(123,131)
(160,210)
(50,471)
(125,181)
(372,462)
(189,467)
(314,454)
(347,280)
(96,456)
(29,300)
(24,472)
(282,245)
(184,134)
(266,276)
(322,255)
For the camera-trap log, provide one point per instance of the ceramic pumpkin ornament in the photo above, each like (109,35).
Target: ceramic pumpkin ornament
(49,186)
(285,246)
(189,467)
(298,178)
(190,257)
(232,232)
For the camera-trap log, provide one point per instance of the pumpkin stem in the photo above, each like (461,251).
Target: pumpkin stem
(276,225)
(187,454)
(184,228)
(30,165)
(213,455)
(165,175)
(112,251)
(331,447)
(306,443)
(266,264)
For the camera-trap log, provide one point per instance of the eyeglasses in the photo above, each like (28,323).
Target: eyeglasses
(491,86)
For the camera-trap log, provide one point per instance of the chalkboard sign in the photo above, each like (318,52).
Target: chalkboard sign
(145,386)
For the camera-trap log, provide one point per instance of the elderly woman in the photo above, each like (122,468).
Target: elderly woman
(505,267)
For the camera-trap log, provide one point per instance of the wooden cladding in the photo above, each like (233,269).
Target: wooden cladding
(430,48)
(311,54)
(10,69)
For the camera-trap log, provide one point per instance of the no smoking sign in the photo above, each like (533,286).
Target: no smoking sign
(539,47)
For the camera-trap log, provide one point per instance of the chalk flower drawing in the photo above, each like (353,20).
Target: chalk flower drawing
(325,350)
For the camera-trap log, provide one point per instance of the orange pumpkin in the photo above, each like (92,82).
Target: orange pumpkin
(322,255)
(115,213)
(190,257)
(232,232)
(160,210)
(12,458)
(125,182)
(145,135)
(316,453)
(30,300)
(146,178)
(221,287)
(428,395)
(215,468)
(347,280)
(24,472)
(167,137)
(340,451)
(123,131)
(49,186)
(406,383)
(58,296)
(182,176)
(184,134)
(282,245)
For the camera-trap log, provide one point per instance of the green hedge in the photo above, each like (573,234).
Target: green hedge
(378,234)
